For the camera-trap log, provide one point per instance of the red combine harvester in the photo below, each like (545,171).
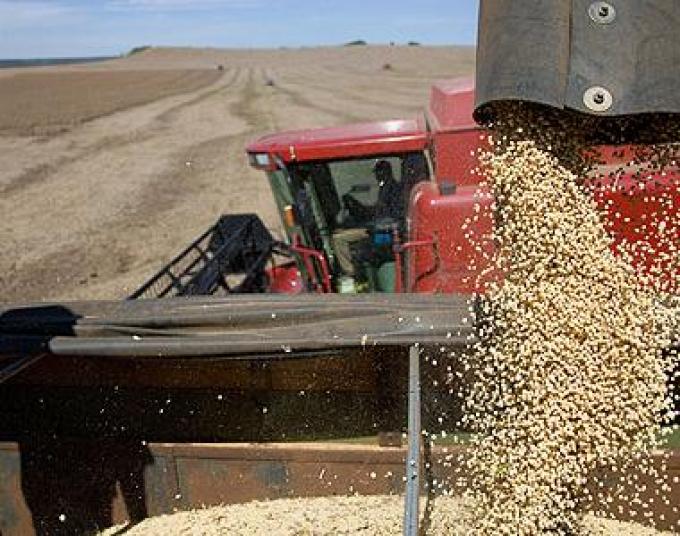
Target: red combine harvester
(375,207)
(383,203)
(382,207)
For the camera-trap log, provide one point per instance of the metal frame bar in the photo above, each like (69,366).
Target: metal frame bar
(16,367)
(413,461)
(405,284)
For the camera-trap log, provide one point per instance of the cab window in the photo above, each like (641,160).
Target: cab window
(354,192)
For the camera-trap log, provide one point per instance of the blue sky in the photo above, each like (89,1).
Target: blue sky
(57,28)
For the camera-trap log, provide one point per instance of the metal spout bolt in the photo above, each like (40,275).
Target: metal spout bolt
(602,12)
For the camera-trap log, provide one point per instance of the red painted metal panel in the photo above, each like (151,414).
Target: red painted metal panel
(455,136)
(455,265)
(365,139)
(455,155)
(451,105)
(285,279)
(641,212)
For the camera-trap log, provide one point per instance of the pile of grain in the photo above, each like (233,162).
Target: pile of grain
(569,376)
(326,516)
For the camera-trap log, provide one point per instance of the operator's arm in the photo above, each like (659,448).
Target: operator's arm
(357,210)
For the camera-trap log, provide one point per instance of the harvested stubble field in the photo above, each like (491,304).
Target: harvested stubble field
(43,103)
(107,170)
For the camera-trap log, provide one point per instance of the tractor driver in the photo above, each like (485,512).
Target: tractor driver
(390,197)
(388,206)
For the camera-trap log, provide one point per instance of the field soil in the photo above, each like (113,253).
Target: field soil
(44,103)
(108,170)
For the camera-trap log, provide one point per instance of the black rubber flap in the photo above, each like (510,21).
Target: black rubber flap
(563,53)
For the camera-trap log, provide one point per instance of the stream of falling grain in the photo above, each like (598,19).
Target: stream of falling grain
(569,374)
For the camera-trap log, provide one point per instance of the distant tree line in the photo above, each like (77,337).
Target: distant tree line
(362,43)
(139,50)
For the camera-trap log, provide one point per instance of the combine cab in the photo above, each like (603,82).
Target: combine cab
(343,196)
(344,193)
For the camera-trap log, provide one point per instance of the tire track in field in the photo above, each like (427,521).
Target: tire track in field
(104,251)
(362,96)
(369,108)
(171,113)
(242,189)
(218,157)
(298,93)
(43,171)
(157,211)
(297,98)
(383,83)
(249,108)
(157,198)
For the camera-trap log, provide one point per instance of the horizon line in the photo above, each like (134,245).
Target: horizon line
(238,48)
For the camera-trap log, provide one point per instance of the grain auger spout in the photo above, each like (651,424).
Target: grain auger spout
(612,60)
(598,78)
(594,82)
